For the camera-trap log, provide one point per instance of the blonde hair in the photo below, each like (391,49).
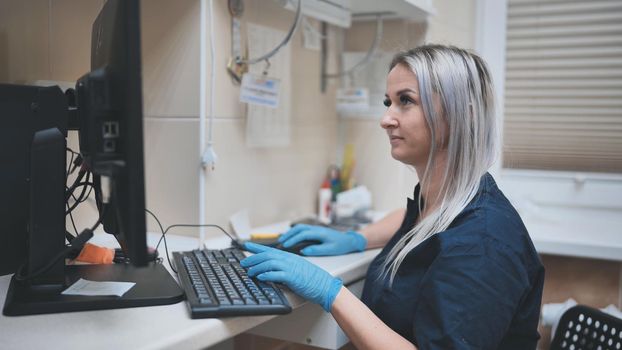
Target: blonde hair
(462,84)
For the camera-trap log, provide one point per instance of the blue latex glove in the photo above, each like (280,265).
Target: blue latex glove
(333,242)
(301,276)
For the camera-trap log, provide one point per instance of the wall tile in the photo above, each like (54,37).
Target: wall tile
(389,180)
(170,51)
(274,184)
(24,41)
(171,171)
(71,22)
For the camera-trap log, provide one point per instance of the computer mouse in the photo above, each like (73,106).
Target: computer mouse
(296,248)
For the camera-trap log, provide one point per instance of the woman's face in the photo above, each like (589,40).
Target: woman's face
(404,121)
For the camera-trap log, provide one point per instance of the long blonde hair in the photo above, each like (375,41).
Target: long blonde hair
(463,85)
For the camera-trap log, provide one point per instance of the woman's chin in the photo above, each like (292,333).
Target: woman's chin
(397,155)
(401,157)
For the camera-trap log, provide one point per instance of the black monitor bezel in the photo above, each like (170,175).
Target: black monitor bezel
(112,93)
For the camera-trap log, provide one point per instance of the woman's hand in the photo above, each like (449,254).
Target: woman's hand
(333,242)
(301,276)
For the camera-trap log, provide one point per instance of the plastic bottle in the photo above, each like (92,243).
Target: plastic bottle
(325,196)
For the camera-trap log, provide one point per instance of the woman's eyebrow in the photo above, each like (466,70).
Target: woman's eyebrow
(400,92)
(403,91)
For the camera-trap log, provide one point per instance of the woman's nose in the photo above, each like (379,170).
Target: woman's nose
(387,121)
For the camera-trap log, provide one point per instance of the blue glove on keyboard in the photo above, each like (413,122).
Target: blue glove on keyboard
(333,242)
(301,276)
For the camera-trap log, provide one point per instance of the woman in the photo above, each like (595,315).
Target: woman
(458,269)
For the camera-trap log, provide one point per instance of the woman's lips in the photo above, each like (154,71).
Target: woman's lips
(395,139)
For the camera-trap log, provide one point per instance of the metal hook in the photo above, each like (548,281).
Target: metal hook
(265,70)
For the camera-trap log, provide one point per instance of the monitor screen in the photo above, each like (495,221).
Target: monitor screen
(109,101)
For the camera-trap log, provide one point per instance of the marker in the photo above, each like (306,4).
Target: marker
(265,235)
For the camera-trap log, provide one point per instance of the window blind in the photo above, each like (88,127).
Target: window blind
(563,89)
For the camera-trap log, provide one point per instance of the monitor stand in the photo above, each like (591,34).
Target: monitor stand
(154,286)
(42,294)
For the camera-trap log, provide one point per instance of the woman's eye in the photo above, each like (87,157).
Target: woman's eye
(405,100)
(387,103)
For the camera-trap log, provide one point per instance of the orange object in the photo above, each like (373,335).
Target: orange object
(95,255)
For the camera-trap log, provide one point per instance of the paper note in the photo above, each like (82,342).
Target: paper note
(241,224)
(260,90)
(92,288)
(269,126)
(352,100)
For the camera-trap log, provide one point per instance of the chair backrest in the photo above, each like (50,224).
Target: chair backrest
(585,328)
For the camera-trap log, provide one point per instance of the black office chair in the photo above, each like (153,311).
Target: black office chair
(585,328)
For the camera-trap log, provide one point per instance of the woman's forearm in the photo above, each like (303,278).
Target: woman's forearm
(362,326)
(379,233)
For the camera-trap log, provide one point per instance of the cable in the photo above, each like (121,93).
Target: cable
(88,194)
(73,223)
(233,240)
(164,233)
(78,179)
(76,244)
(99,221)
(82,196)
(67,172)
(283,43)
(76,162)
(162,237)
(208,155)
(167,255)
(156,219)
(368,56)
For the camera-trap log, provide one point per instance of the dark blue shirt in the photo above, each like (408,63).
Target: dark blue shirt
(476,285)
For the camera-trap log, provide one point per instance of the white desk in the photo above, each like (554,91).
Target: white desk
(156,327)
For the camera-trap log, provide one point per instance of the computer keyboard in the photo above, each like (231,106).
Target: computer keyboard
(216,285)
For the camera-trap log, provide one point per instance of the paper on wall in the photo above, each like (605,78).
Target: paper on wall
(266,126)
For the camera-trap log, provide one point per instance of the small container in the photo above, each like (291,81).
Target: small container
(324,205)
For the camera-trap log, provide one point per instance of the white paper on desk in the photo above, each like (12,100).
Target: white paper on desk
(92,288)
(241,224)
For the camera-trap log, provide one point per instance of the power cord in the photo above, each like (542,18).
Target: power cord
(165,245)
(76,162)
(73,223)
(234,242)
(76,244)
(83,196)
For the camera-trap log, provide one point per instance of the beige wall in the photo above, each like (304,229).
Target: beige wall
(274,183)
(390,181)
(50,40)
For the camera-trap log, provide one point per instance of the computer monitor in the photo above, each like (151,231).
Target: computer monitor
(109,104)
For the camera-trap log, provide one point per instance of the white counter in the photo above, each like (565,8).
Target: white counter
(155,327)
